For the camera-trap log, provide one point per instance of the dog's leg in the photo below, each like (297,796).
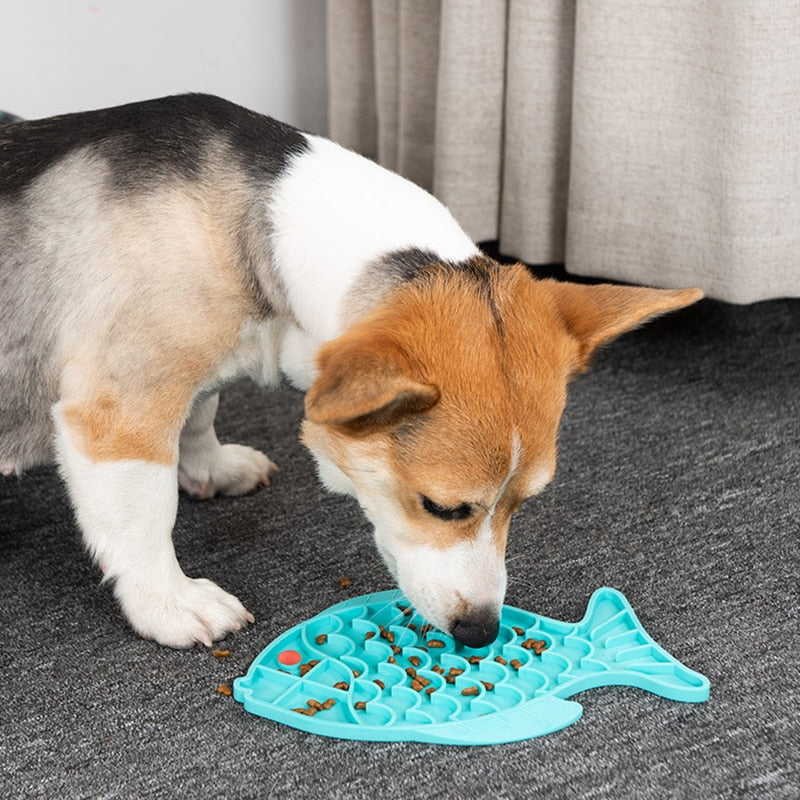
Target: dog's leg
(126,507)
(207,467)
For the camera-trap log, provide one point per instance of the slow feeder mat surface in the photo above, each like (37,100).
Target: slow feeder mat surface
(370,668)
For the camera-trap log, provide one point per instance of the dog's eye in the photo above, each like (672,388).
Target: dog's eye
(464,511)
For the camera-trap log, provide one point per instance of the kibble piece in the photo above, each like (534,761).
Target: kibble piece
(455,671)
(437,643)
(322,638)
(381,684)
(470,691)
(475,659)
(515,663)
(388,635)
(309,712)
(344,582)
(315,704)
(425,629)
(449,679)
(500,660)
(360,705)
(406,610)
(411,672)
(225,689)
(437,668)
(415,660)
(356,673)
(430,690)
(344,685)
(417,685)
(369,634)
(518,631)
(329,703)
(220,653)
(396,650)
(304,668)
(423,680)
(537,645)
(488,686)
(392,660)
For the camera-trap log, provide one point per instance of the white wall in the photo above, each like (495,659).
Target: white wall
(68,55)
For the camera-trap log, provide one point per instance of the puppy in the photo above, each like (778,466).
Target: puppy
(152,253)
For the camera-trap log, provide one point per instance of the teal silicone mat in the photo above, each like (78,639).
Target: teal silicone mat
(370,668)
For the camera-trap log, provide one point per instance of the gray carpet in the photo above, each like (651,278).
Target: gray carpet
(679,484)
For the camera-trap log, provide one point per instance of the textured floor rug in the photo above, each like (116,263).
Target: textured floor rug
(679,484)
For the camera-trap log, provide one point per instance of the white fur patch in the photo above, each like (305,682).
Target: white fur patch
(334,213)
(126,510)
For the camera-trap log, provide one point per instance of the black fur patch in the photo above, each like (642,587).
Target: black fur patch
(148,141)
(414,264)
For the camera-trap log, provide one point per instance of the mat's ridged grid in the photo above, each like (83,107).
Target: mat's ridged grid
(370,668)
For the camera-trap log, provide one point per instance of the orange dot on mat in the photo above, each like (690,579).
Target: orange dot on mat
(289,658)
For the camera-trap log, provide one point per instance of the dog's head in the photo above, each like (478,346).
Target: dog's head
(440,411)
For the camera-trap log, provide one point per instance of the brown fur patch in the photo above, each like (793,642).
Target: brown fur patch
(142,344)
(500,348)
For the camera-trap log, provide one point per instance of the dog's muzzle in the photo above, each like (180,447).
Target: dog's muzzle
(478,630)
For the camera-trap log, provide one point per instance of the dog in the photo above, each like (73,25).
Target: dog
(154,252)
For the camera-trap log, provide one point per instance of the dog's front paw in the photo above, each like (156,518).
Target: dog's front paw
(231,469)
(183,613)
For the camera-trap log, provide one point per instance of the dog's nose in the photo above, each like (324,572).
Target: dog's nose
(477,631)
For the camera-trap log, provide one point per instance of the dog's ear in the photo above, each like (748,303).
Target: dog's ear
(593,315)
(365,385)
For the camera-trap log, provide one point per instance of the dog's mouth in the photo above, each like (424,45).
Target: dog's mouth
(472,624)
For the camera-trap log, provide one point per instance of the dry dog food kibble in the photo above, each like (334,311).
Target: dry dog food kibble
(388,635)
(435,643)
(516,663)
(537,645)
(518,631)
(488,686)
(344,582)
(344,685)
(500,660)
(360,705)
(415,660)
(322,638)
(380,684)
(219,653)
(223,688)
(304,668)
(470,691)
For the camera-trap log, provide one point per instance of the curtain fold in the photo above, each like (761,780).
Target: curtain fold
(651,142)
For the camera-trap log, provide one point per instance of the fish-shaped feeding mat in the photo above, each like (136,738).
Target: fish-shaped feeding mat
(370,668)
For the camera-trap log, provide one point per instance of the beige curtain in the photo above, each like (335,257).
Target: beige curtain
(652,142)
